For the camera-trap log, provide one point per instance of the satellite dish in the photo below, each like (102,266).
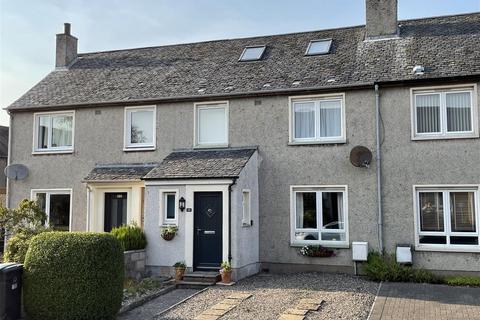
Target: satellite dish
(16,171)
(360,156)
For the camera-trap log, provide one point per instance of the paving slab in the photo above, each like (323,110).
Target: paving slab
(398,301)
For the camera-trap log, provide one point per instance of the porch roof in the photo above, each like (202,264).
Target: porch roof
(119,172)
(202,164)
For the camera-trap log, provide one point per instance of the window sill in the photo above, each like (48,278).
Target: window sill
(138,149)
(210,146)
(36,153)
(303,143)
(449,137)
(458,249)
(339,245)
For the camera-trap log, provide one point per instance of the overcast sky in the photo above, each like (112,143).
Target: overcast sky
(28,28)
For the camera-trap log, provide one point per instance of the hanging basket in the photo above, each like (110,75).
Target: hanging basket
(168,236)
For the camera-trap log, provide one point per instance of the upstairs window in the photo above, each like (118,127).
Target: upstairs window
(140,128)
(316,47)
(211,124)
(444,113)
(252,53)
(319,119)
(54,132)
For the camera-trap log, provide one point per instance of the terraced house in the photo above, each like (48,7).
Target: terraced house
(246,144)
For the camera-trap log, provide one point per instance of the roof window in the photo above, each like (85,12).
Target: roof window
(252,53)
(316,47)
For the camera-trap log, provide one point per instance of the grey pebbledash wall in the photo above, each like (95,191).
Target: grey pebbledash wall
(99,139)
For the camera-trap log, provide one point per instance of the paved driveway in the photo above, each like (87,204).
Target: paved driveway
(397,301)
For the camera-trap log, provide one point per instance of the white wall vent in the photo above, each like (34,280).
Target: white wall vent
(359,251)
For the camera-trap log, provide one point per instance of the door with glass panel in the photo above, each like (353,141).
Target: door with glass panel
(115,210)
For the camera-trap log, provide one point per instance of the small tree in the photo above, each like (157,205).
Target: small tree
(21,224)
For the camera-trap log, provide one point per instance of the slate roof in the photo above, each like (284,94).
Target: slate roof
(119,172)
(224,163)
(447,46)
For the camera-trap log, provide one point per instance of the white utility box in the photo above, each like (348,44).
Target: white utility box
(359,251)
(404,254)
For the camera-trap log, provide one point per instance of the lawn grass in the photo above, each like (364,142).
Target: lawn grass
(470,281)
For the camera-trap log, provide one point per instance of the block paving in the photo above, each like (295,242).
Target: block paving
(220,309)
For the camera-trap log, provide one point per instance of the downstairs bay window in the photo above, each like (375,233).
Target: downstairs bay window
(319,215)
(447,218)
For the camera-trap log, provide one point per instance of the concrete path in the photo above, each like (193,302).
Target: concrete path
(411,301)
(152,308)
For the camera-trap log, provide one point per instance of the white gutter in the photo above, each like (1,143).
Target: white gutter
(379,170)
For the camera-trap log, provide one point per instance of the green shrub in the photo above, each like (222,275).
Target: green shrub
(462,281)
(17,247)
(384,267)
(73,276)
(131,237)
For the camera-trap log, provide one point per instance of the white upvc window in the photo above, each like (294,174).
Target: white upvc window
(140,128)
(317,119)
(57,204)
(211,124)
(169,207)
(246,208)
(444,112)
(319,215)
(53,132)
(446,218)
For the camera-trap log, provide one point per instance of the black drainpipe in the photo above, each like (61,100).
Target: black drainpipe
(230,221)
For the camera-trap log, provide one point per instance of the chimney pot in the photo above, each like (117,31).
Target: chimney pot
(381,19)
(67,28)
(66,51)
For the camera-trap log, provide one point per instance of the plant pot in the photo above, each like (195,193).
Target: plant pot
(226,276)
(168,236)
(179,272)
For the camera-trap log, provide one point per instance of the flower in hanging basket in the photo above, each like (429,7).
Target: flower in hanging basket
(316,251)
(168,232)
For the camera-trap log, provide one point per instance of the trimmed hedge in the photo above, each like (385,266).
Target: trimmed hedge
(131,237)
(73,276)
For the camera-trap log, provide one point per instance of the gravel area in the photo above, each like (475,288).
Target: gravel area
(345,296)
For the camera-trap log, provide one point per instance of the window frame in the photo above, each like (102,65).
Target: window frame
(196,123)
(127,121)
(446,190)
(330,40)
(48,192)
(247,218)
(164,221)
(294,190)
(443,91)
(316,99)
(50,150)
(241,59)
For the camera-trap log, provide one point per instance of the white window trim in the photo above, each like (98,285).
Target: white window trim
(127,145)
(474,133)
(68,191)
(294,189)
(317,140)
(446,216)
(207,105)
(321,53)
(36,150)
(247,222)
(163,208)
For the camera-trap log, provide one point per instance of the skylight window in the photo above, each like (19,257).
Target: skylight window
(252,53)
(318,47)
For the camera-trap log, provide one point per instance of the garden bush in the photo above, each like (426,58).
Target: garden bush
(131,237)
(384,267)
(73,276)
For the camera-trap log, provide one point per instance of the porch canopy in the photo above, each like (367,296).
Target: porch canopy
(202,164)
(116,172)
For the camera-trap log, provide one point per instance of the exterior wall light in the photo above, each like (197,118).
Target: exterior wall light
(181,204)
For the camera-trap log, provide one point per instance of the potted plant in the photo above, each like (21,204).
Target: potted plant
(316,251)
(168,232)
(226,272)
(180,267)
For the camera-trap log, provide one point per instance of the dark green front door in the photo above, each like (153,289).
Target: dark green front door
(207,210)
